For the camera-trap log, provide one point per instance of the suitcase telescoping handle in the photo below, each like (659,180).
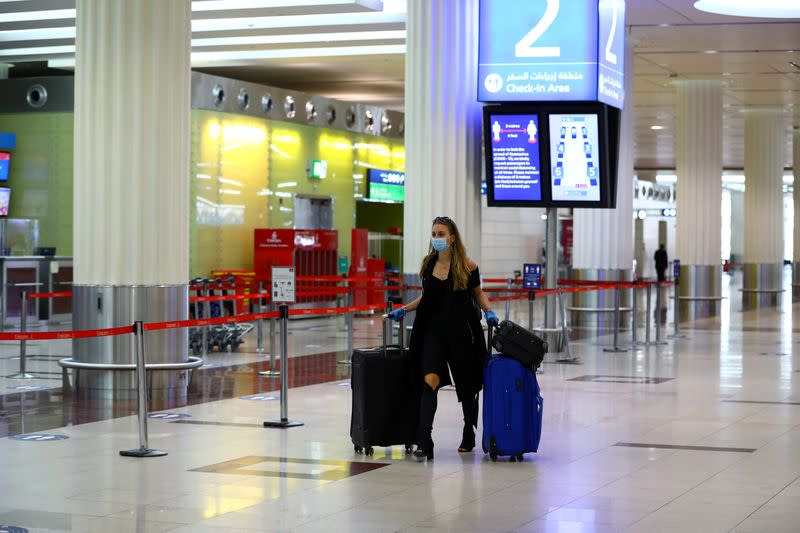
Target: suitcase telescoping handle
(387,335)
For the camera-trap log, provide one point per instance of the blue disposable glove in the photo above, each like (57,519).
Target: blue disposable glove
(491,318)
(397,314)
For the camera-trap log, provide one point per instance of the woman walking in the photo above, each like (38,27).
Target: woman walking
(447,332)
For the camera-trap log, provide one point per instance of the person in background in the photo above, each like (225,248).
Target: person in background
(447,336)
(662,262)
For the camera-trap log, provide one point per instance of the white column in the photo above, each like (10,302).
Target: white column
(698,159)
(443,125)
(132,100)
(764,157)
(698,165)
(131,183)
(4,68)
(796,198)
(603,238)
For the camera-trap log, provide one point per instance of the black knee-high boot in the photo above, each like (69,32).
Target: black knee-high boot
(427,410)
(470,408)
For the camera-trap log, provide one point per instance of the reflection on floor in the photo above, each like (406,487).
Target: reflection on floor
(700,434)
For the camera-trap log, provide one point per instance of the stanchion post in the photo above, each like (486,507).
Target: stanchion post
(634,310)
(531,300)
(348,325)
(658,318)
(509,285)
(141,397)
(676,314)
(567,357)
(648,316)
(23,327)
(615,348)
(271,373)
(284,421)
(206,315)
(260,322)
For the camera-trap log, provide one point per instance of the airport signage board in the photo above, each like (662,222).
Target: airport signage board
(386,185)
(557,50)
(532,276)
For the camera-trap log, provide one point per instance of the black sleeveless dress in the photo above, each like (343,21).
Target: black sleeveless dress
(447,336)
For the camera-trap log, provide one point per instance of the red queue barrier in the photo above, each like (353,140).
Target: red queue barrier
(123,330)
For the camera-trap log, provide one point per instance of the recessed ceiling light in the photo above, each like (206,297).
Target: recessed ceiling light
(656,127)
(709,51)
(748,8)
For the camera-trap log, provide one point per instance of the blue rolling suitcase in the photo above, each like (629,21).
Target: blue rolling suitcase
(512,408)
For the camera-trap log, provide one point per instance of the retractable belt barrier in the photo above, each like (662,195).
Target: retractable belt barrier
(139,328)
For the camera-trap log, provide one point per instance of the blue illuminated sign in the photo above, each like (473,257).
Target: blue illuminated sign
(532,276)
(515,157)
(535,50)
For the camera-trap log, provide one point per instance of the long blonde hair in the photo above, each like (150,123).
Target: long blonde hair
(458,253)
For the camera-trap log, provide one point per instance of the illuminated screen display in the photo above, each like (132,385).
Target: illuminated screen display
(574,158)
(5,196)
(386,185)
(5,163)
(515,154)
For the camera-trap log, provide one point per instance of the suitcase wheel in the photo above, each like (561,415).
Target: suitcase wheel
(409,448)
(369,451)
(493,450)
(520,458)
(357,448)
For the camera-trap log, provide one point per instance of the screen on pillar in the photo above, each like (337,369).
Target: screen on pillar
(5,164)
(559,154)
(5,196)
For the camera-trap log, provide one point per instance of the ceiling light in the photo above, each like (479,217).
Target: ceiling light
(226,58)
(710,51)
(656,128)
(47,14)
(303,38)
(748,8)
(298,21)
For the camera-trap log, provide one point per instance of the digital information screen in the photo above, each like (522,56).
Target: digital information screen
(531,276)
(5,162)
(515,156)
(574,158)
(386,185)
(5,196)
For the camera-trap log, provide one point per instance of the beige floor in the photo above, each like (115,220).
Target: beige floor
(713,447)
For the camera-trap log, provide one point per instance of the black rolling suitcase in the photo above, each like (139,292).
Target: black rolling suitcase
(385,404)
(518,343)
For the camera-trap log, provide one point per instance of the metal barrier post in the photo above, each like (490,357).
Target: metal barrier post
(272,335)
(658,318)
(284,421)
(634,309)
(648,316)
(206,315)
(510,285)
(567,357)
(676,315)
(260,323)
(531,300)
(348,325)
(23,327)
(615,348)
(141,396)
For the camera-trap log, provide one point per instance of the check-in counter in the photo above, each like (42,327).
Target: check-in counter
(35,273)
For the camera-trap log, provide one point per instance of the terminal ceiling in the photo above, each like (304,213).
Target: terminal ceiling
(354,50)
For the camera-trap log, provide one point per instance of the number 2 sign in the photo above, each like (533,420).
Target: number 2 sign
(532,50)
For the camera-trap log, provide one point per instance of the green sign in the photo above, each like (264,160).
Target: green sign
(344,265)
(384,191)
